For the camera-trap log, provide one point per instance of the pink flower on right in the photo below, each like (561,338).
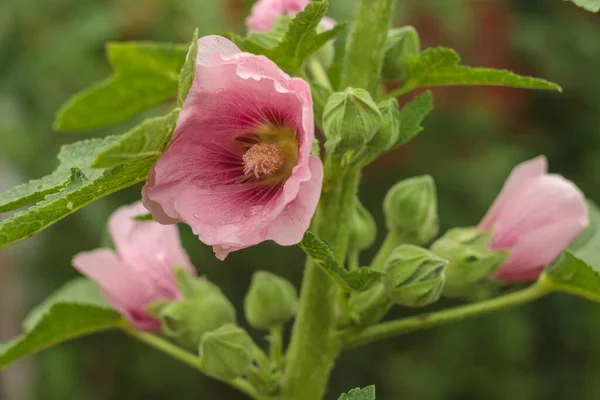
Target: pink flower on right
(535,216)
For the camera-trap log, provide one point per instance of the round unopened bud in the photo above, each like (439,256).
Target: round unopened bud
(363,229)
(226,353)
(410,209)
(350,120)
(188,320)
(271,301)
(414,276)
(193,287)
(401,45)
(386,135)
(471,262)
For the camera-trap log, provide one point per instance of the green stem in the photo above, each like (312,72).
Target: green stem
(389,244)
(401,90)
(318,73)
(351,337)
(364,50)
(275,346)
(312,349)
(188,358)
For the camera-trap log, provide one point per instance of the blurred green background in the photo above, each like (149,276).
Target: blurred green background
(548,350)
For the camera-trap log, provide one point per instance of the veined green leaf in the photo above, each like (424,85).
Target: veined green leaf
(412,115)
(186,76)
(572,275)
(75,155)
(590,5)
(84,185)
(79,290)
(145,75)
(145,142)
(74,310)
(358,280)
(301,39)
(367,393)
(439,66)
(587,245)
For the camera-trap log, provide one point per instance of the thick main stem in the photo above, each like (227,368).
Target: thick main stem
(364,50)
(424,321)
(313,348)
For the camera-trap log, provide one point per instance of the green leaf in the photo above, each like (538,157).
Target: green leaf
(73,311)
(412,115)
(358,280)
(79,290)
(590,5)
(587,245)
(367,393)
(439,66)
(145,75)
(300,41)
(186,76)
(572,275)
(145,142)
(83,186)
(75,155)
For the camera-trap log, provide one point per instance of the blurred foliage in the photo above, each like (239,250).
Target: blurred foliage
(549,350)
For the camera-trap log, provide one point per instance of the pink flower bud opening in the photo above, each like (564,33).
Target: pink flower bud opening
(535,216)
(238,170)
(140,271)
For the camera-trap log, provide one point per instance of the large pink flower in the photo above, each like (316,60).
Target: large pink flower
(266,12)
(140,272)
(238,169)
(535,216)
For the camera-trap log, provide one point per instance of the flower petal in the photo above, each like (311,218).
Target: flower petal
(289,226)
(519,178)
(124,289)
(545,200)
(149,248)
(210,45)
(537,249)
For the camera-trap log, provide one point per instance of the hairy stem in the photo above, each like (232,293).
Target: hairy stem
(353,337)
(313,349)
(364,50)
(389,244)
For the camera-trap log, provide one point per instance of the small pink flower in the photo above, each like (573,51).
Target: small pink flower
(535,216)
(238,169)
(265,13)
(140,272)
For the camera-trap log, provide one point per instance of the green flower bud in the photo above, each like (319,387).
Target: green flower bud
(363,229)
(271,301)
(410,209)
(386,136)
(350,120)
(414,276)
(187,320)
(401,45)
(193,287)
(470,260)
(226,353)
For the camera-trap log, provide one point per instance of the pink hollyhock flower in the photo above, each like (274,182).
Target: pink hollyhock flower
(535,216)
(239,169)
(140,272)
(265,12)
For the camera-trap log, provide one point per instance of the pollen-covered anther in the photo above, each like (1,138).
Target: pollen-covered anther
(263,159)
